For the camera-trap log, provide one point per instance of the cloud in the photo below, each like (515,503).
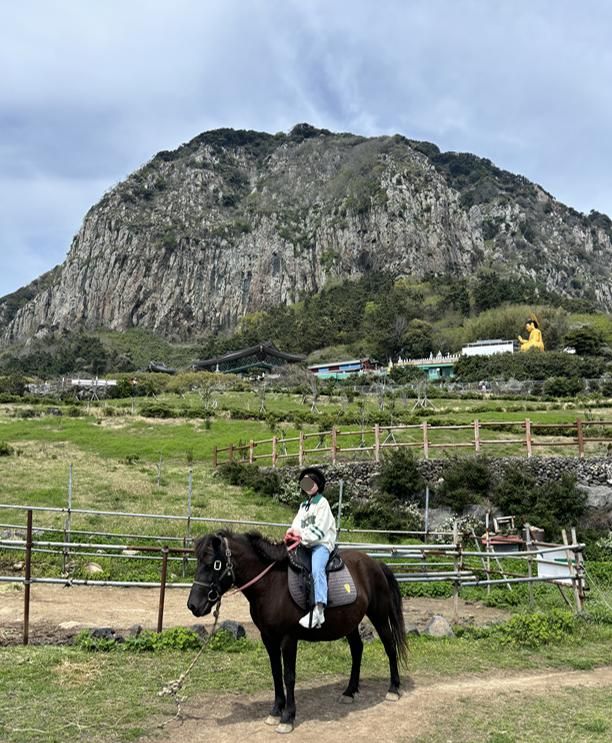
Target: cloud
(92,90)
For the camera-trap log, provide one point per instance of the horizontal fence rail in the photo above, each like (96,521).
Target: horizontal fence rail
(370,442)
(411,563)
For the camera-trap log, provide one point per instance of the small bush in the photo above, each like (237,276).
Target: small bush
(250,476)
(156,410)
(533,630)
(6,450)
(466,481)
(384,511)
(399,476)
(549,505)
(175,638)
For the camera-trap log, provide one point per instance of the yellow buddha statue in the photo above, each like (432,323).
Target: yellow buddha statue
(535,336)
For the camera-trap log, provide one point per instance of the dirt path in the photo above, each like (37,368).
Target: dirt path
(230,717)
(120,608)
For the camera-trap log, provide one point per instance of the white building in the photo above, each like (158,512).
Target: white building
(489,347)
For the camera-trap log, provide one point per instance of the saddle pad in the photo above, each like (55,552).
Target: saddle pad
(340,588)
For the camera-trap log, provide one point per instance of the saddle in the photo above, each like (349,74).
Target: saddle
(340,585)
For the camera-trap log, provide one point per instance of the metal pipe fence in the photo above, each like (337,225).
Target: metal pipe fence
(452,570)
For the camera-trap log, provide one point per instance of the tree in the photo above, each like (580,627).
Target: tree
(587,340)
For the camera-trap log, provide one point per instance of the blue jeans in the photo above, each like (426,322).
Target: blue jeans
(320,556)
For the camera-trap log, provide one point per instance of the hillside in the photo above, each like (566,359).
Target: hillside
(238,221)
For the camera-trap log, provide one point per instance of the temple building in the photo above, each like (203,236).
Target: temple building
(263,357)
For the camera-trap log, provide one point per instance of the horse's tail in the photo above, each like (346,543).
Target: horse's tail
(396,616)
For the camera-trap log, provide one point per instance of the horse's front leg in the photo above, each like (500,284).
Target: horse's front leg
(289,649)
(356,646)
(274,653)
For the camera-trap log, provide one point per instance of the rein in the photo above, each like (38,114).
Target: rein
(215,591)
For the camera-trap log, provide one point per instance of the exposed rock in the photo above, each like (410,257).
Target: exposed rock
(233,222)
(438,626)
(235,629)
(200,631)
(134,630)
(68,625)
(106,633)
(412,629)
(92,568)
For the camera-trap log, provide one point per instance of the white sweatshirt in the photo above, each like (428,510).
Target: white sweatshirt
(315,523)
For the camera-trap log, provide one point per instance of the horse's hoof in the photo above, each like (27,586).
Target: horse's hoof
(392,696)
(272,720)
(346,699)
(285,727)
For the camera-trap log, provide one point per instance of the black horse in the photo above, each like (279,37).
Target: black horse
(226,559)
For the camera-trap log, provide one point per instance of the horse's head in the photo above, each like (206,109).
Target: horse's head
(214,573)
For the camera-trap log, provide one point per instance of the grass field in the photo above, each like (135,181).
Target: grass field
(127,462)
(66,694)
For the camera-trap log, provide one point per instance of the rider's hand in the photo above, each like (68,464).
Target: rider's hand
(291,536)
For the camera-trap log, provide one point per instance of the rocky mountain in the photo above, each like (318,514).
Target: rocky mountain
(237,221)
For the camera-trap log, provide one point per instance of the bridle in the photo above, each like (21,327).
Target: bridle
(215,589)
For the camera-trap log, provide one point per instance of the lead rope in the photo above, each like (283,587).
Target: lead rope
(172,688)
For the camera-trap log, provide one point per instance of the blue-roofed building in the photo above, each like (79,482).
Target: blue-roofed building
(342,369)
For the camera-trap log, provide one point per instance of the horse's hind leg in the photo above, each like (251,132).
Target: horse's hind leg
(356,646)
(386,636)
(274,653)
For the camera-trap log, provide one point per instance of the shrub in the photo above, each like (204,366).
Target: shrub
(399,476)
(156,410)
(549,505)
(562,386)
(175,638)
(533,630)
(6,449)
(466,481)
(250,476)
(384,511)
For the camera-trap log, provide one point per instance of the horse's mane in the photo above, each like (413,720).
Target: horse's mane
(267,549)
(264,547)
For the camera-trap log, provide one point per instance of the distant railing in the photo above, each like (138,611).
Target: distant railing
(372,441)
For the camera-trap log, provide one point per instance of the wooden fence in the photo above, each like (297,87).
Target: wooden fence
(526,435)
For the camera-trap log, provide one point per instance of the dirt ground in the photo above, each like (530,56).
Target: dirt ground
(52,606)
(228,718)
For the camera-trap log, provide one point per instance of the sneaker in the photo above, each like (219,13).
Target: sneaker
(313,619)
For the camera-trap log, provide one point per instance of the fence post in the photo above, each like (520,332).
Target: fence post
(251,451)
(579,568)
(28,578)
(162,588)
(528,436)
(301,449)
(425,440)
(572,571)
(458,562)
(214,456)
(338,518)
(580,437)
(187,537)
(68,519)
(159,470)
(274,450)
(334,444)
(377,442)
(476,435)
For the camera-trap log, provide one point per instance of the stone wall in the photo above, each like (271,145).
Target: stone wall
(594,475)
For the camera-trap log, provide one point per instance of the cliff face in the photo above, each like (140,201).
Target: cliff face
(233,222)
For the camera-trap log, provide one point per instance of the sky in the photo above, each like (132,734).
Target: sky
(90,90)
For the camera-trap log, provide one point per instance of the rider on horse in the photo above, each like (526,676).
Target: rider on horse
(315,528)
